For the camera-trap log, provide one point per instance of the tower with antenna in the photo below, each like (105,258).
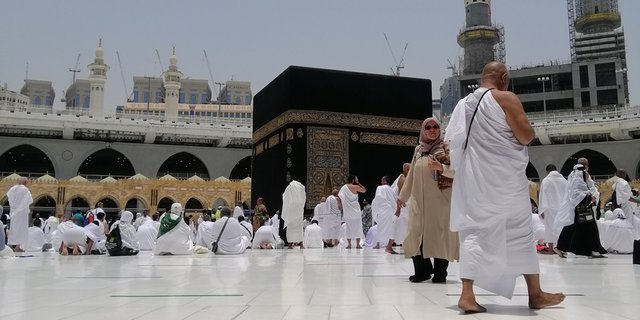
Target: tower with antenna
(172,85)
(97,79)
(482,41)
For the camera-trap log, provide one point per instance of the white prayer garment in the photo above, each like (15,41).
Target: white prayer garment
(400,223)
(237,211)
(19,198)
(71,234)
(352,215)
(616,235)
(319,211)
(36,240)
(293,200)
(5,250)
(333,221)
(313,236)
(371,238)
(264,235)
(146,235)
(538,228)
(127,230)
(490,206)
(174,236)
(232,240)
(383,208)
(553,189)
(205,235)
(577,190)
(623,194)
(248,229)
(98,234)
(274,222)
(50,225)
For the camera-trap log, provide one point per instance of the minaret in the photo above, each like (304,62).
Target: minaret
(478,37)
(97,79)
(172,88)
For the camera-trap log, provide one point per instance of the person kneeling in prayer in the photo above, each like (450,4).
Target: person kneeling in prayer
(313,236)
(264,238)
(74,239)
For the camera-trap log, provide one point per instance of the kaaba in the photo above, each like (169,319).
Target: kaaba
(322,125)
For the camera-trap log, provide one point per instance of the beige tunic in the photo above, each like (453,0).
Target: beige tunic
(429,212)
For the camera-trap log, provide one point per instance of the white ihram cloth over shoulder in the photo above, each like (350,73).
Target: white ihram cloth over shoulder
(313,236)
(233,240)
(237,211)
(147,234)
(176,241)
(205,235)
(623,194)
(332,220)
(401,222)
(264,234)
(577,190)
(383,208)
(553,189)
(490,206)
(19,198)
(293,200)
(50,225)
(351,213)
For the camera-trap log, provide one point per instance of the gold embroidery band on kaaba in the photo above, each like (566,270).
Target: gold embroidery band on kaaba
(338,119)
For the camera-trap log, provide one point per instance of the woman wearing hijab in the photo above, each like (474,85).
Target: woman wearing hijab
(428,186)
(127,236)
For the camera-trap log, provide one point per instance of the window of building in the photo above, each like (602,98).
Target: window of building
(226,115)
(135,96)
(193,99)
(586,98)
(181,97)
(238,100)
(85,103)
(48,101)
(76,101)
(146,96)
(584,77)
(606,74)
(205,98)
(208,114)
(607,97)
(247,100)
(158,96)
(37,101)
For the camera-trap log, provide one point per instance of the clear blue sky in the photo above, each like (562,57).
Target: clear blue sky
(255,40)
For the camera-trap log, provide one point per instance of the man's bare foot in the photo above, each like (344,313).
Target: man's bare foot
(358,247)
(348,247)
(377,247)
(64,252)
(470,306)
(545,299)
(75,251)
(390,251)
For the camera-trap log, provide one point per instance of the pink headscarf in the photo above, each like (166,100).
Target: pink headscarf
(426,145)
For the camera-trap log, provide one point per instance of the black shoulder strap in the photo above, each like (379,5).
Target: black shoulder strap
(473,117)
(221,231)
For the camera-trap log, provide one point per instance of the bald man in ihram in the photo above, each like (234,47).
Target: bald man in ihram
(490,206)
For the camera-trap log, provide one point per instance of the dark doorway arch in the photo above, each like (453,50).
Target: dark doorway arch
(532,173)
(77,203)
(104,163)
(110,207)
(219,203)
(164,205)
(182,166)
(27,161)
(135,205)
(600,166)
(242,169)
(193,205)
(45,206)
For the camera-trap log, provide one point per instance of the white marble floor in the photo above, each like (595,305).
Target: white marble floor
(293,284)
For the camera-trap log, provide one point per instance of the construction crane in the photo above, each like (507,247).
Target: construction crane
(124,83)
(160,62)
(75,69)
(206,58)
(453,68)
(398,65)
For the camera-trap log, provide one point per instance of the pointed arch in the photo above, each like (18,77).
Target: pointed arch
(220,202)
(44,205)
(164,205)
(136,204)
(194,204)
(242,169)
(26,159)
(75,203)
(183,165)
(106,162)
(600,166)
(532,172)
